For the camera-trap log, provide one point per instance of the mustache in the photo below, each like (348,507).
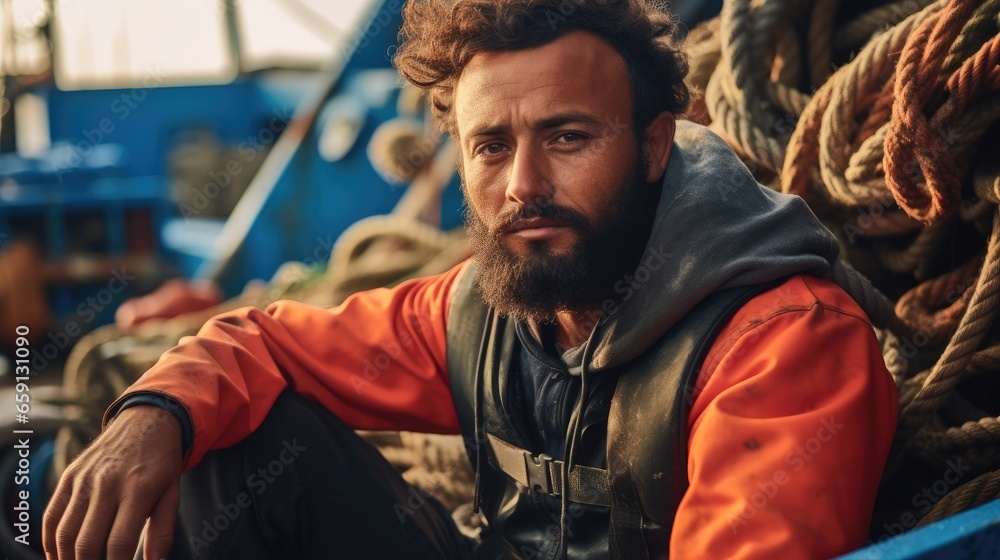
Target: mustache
(542,210)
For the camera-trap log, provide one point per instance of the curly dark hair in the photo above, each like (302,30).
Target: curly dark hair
(439,37)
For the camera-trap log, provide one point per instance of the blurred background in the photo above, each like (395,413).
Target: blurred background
(130,132)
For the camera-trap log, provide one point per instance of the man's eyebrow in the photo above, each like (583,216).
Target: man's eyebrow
(552,121)
(560,119)
(487,130)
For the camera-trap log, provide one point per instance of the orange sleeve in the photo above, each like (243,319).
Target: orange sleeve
(790,432)
(377,361)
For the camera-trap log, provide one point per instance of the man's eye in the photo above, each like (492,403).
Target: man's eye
(569,137)
(493,148)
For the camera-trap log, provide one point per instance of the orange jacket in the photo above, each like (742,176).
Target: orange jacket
(793,415)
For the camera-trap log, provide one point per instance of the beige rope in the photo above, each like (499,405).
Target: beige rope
(862,28)
(983,306)
(912,258)
(979,490)
(804,150)
(866,74)
(982,24)
(821,41)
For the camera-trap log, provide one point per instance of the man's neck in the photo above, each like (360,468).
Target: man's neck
(574,328)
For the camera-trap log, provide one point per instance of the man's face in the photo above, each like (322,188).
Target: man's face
(558,204)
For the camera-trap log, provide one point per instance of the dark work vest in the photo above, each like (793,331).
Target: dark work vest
(644,451)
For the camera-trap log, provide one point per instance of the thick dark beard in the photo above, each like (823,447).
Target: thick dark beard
(540,284)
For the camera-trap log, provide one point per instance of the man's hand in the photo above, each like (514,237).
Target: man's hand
(130,473)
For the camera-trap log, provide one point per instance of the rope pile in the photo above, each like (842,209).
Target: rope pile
(897,152)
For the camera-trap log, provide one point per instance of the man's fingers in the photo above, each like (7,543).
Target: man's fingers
(94,530)
(69,527)
(106,495)
(53,514)
(160,532)
(124,537)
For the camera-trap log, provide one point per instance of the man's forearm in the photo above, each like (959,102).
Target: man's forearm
(376,362)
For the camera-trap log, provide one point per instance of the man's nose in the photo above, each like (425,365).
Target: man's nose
(528,179)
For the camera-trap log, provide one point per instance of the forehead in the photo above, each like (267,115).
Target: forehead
(579,71)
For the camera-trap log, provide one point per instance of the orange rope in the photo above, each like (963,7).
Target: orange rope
(911,149)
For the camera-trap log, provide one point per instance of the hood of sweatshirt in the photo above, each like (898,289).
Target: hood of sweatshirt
(715,228)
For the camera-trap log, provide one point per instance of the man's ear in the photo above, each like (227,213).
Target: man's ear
(659,140)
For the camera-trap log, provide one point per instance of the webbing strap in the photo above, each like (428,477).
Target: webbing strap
(626,540)
(543,474)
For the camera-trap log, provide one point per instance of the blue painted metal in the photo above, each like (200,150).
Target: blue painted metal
(308,203)
(147,120)
(126,134)
(302,212)
(51,203)
(970,535)
(42,210)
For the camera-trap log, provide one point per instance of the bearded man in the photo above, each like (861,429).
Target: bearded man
(643,354)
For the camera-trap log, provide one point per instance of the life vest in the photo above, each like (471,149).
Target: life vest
(627,481)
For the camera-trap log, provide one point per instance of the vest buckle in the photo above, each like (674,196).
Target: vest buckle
(539,475)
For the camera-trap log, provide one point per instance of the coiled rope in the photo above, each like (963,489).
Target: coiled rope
(895,150)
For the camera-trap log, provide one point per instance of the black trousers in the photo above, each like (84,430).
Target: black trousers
(305,485)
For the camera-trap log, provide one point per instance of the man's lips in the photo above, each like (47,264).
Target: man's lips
(535,228)
(533,223)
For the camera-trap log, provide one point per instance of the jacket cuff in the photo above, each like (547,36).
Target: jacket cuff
(159,400)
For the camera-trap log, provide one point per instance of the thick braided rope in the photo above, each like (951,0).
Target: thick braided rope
(704,49)
(910,138)
(736,46)
(965,135)
(789,99)
(865,164)
(986,181)
(960,137)
(749,62)
(787,65)
(802,159)
(975,210)
(874,303)
(880,111)
(908,387)
(763,25)
(979,490)
(983,306)
(863,80)
(737,92)
(727,121)
(864,84)
(935,307)
(858,31)
(985,431)
(934,442)
(797,175)
(912,257)
(979,74)
(986,360)
(821,41)
(889,222)
(981,25)
(785,73)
